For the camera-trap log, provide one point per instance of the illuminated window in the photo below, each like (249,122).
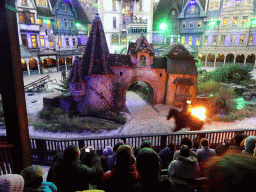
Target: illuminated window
(42,40)
(51,43)
(114,22)
(205,40)
(214,40)
(190,40)
(222,39)
(24,2)
(214,5)
(225,21)
(33,40)
(232,39)
(191,24)
(183,24)
(65,24)
(114,38)
(234,21)
(123,38)
(72,24)
(251,39)
(198,41)
(60,42)
(39,21)
(183,40)
(67,42)
(114,5)
(49,23)
(244,21)
(41,2)
(32,19)
(199,23)
(241,41)
(58,22)
(21,17)
(24,40)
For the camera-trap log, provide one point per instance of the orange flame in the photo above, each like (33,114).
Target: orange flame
(199,113)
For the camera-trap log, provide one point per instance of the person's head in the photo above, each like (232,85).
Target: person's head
(227,141)
(238,138)
(186,141)
(145,143)
(58,157)
(33,176)
(123,156)
(72,152)
(108,150)
(204,142)
(116,146)
(196,144)
(148,164)
(231,172)
(172,146)
(249,144)
(184,151)
(11,182)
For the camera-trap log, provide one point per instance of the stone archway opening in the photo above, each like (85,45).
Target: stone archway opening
(250,60)
(240,59)
(230,59)
(33,64)
(23,65)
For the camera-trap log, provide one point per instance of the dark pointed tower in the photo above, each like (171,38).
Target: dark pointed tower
(96,56)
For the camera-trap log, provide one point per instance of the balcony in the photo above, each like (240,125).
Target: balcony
(29,27)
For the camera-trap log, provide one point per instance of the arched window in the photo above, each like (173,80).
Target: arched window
(114,38)
(123,38)
(142,60)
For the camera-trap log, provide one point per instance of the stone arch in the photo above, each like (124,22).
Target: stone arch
(220,59)
(33,64)
(202,57)
(210,59)
(250,60)
(230,58)
(114,38)
(240,59)
(120,100)
(69,60)
(48,62)
(62,61)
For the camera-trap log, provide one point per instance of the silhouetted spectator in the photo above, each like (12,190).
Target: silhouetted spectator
(33,179)
(184,166)
(111,159)
(231,172)
(145,143)
(106,152)
(205,152)
(221,149)
(188,142)
(148,165)
(196,145)
(57,157)
(11,183)
(70,175)
(123,174)
(249,145)
(235,143)
(166,155)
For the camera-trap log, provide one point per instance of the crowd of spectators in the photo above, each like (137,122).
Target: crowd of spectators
(229,167)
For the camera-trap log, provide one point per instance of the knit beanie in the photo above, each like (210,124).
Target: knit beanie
(11,182)
(31,173)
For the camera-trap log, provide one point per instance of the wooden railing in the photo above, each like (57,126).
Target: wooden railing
(43,149)
(6,166)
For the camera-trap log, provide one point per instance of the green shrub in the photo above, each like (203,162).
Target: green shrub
(50,113)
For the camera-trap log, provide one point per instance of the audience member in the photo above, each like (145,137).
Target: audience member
(106,152)
(184,166)
(205,152)
(57,157)
(148,166)
(188,142)
(231,172)
(249,145)
(235,143)
(70,175)
(221,149)
(11,183)
(123,174)
(33,178)
(145,143)
(196,145)
(111,159)
(166,155)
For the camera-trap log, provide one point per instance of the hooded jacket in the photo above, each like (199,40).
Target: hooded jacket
(183,167)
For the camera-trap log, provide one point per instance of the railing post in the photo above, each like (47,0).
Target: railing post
(81,144)
(163,141)
(41,150)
